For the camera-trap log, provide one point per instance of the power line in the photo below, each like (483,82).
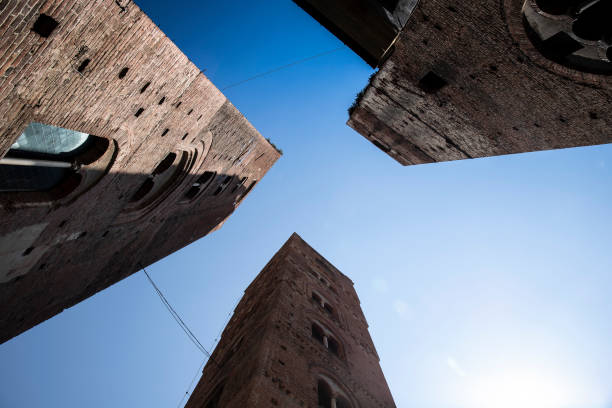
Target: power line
(283,67)
(177,318)
(191,384)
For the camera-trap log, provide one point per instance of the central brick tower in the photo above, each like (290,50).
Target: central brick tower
(298,338)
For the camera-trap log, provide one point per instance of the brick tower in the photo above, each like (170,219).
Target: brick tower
(298,338)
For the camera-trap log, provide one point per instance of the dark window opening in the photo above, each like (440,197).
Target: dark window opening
(328,309)
(123,72)
(593,23)
(83,65)
(185,136)
(178,104)
(324,394)
(164,164)
(559,46)
(139,112)
(316,298)
(223,185)
(27,251)
(200,184)
(145,86)
(144,189)
(341,402)
(44,25)
(432,82)
(333,346)
(241,183)
(162,100)
(165,132)
(192,192)
(190,112)
(390,5)
(317,333)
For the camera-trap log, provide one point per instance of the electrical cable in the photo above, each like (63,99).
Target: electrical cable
(178,319)
(291,64)
(191,384)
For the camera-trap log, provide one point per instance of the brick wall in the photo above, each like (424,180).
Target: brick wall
(464,81)
(267,356)
(64,250)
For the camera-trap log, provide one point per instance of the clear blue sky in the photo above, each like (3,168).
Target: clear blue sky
(486,283)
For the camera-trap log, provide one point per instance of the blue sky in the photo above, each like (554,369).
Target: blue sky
(486,283)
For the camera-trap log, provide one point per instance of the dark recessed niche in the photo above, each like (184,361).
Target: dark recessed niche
(105,234)
(559,46)
(185,136)
(190,112)
(583,44)
(165,132)
(178,104)
(27,251)
(139,112)
(123,72)
(162,100)
(44,25)
(432,82)
(83,65)
(144,87)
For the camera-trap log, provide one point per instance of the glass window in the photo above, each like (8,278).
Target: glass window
(47,139)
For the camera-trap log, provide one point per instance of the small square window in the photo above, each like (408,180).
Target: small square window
(44,25)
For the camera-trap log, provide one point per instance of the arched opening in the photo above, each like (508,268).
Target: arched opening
(200,185)
(161,180)
(324,394)
(317,333)
(572,33)
(342,402)
(327,339)
(328,309)
(48,159)
(333,346)
(329,395)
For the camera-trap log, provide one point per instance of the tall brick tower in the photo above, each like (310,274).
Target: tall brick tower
(298,338)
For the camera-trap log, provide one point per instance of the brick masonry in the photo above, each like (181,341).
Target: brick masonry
(107,70)
(498,94)
(267,355)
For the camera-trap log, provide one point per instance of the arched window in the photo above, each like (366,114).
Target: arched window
(160,182)
(48,159)
(323,303)
(41,158)
(317,333)
(325,394)
(326,338)
(200,185)
(330,396)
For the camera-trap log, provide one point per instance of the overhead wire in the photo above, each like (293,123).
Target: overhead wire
(291,64)
(191,384)
(178,318)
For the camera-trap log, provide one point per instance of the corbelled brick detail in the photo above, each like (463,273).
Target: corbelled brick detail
(267,355)
(107,70)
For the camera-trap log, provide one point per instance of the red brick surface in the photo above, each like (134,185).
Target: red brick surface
(40,82)
(267,356)
(502,95)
